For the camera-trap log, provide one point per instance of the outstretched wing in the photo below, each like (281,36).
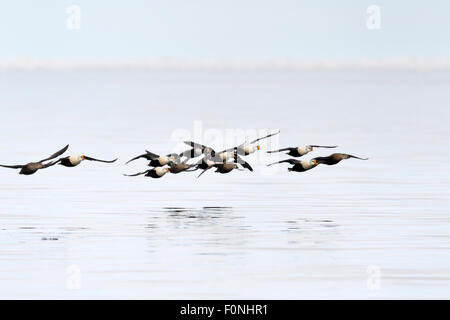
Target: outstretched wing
(350,156)
(105,161)
(265,137)
(12,167)
(195,145)
(49,164)
(280,150)
(291,161)
(203,172)
(187,153)
(56,154)
(240,148)
(243,163)
(148,155)
(137,174)
(316,146)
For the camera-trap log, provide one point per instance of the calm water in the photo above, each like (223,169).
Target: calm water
(361,229)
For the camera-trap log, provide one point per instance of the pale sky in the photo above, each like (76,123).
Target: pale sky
(230,29)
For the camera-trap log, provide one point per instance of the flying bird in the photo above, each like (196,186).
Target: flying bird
(177,166)
(299,165)
(248,148)
(156,160)
(300,151)
(336,158)
(32,167)
(226,167)
(155,173)
(197,150)
(244,149)
(74,160)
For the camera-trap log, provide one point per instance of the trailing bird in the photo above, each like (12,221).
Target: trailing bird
(299,165)
(300,151)
(32,167)
(335,158)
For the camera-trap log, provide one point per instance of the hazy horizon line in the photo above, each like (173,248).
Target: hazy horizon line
(206,64)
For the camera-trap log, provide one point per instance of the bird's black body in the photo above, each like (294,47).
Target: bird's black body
(298,168)
(297,165)
(148,173)
(66,162)
(152,173)
(293,152)
(155,163)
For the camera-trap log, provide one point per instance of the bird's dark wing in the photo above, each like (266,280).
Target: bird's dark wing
(137,174)
(203,172)
(240,148)
(195,145)
(291,161)
(148,156)
(49,164)
(269,135)
(152,155)
(56,154)
(350,156)
(316,146)
(243,163)
(188,154)
(105,161)
(19,166)
(279,150)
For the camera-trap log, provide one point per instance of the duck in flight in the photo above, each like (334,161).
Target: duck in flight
(155,173)
(336,158)
(248,148)
(224,167)
(197,150)
(178,166)
(300,151)
(244,149)
(299,165)
(74,160)
(156,160)
(32,167)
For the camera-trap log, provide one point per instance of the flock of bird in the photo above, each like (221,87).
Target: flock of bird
(224,161)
